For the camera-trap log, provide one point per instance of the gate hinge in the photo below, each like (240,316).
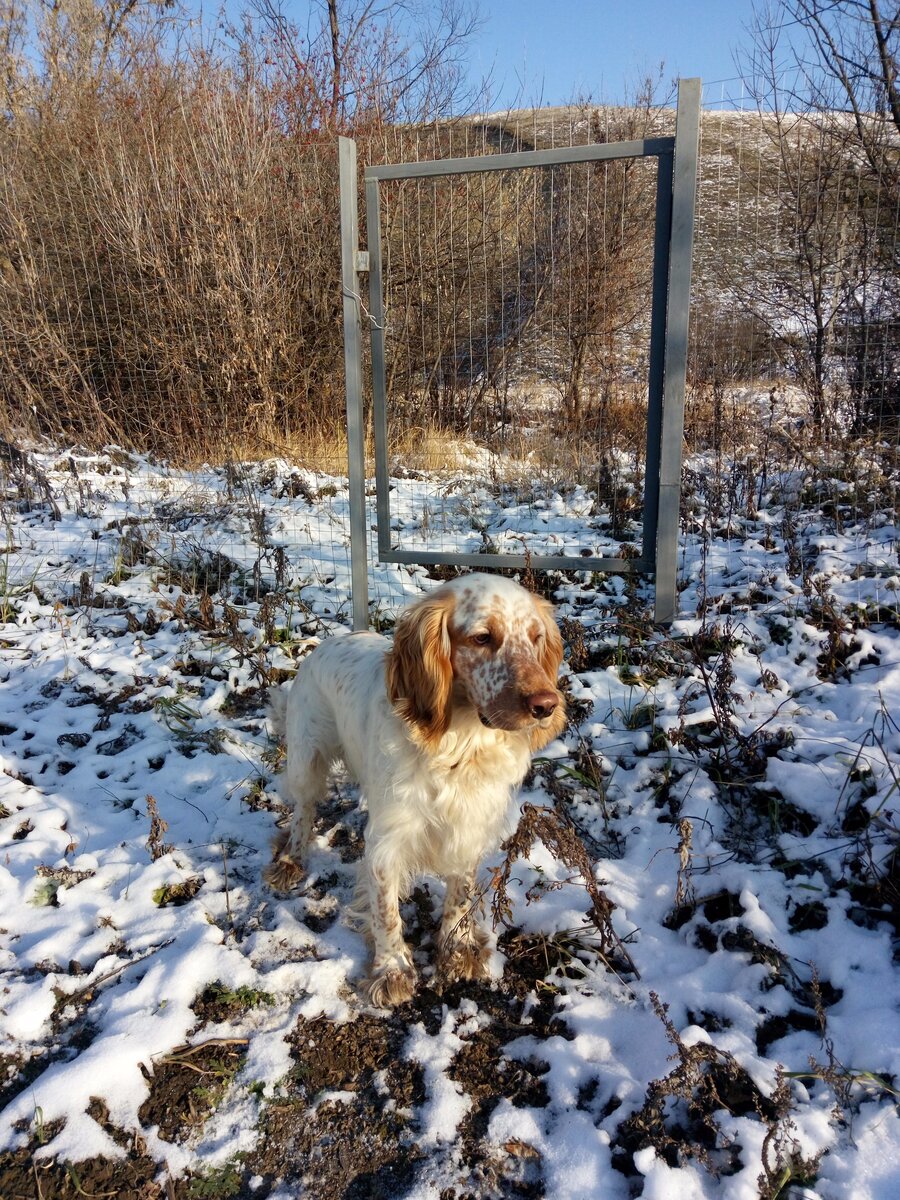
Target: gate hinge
(362,260)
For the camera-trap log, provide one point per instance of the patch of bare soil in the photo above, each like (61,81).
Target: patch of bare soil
(25,1177)
(488,1074)
(349,1129)
(218,1002)
(21,1178)
(360,1145)
(186,1085)
(17,1072)
(484,1071)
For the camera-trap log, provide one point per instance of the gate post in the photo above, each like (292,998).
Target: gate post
(356,446)
(687,137)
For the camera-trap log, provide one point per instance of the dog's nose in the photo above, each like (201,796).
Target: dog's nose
(542,704)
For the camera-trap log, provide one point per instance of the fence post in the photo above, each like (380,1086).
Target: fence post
(657,363)
(687,137)
(356,448)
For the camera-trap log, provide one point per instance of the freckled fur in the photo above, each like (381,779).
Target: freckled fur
(408,719)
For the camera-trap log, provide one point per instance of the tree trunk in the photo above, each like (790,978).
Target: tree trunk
(336,62)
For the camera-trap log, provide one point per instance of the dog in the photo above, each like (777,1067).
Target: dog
(438,728)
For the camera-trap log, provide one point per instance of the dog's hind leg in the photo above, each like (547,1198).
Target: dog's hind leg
(303,784)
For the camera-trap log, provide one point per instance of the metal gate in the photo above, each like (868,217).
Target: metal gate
(676,183)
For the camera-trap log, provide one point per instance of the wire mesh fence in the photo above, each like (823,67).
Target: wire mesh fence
(530,324)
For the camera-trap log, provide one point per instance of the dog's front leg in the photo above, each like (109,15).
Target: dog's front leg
(463,951)
(393,979)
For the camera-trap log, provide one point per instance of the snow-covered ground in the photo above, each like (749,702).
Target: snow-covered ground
(735,781)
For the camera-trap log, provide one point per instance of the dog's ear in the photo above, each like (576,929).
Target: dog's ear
(419,670)
(551,659)
(551,655)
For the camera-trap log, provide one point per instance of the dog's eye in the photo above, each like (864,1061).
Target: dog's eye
(481,639)
(537,636)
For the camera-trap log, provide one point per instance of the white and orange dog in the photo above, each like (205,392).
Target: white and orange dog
(438,728)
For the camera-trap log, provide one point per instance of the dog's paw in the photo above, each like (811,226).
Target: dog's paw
(283,873)
(392,986)
(464,960)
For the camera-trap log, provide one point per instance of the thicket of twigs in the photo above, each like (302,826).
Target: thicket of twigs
(169,242)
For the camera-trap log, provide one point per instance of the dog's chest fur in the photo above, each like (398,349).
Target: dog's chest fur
(451,806)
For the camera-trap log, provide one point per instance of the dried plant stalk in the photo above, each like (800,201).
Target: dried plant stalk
(559,835)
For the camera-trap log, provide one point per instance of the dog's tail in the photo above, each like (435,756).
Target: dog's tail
(277,714)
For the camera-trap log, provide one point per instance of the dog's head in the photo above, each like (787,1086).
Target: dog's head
(484,642)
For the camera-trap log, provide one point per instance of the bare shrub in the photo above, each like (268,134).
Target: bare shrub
(560,837)
(169,221)
(832,117)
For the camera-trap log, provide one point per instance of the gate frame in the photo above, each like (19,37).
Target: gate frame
(676,187)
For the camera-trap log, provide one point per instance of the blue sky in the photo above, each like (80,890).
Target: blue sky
(560,48)
(555,51)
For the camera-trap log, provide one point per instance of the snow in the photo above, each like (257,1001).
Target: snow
(102,708)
